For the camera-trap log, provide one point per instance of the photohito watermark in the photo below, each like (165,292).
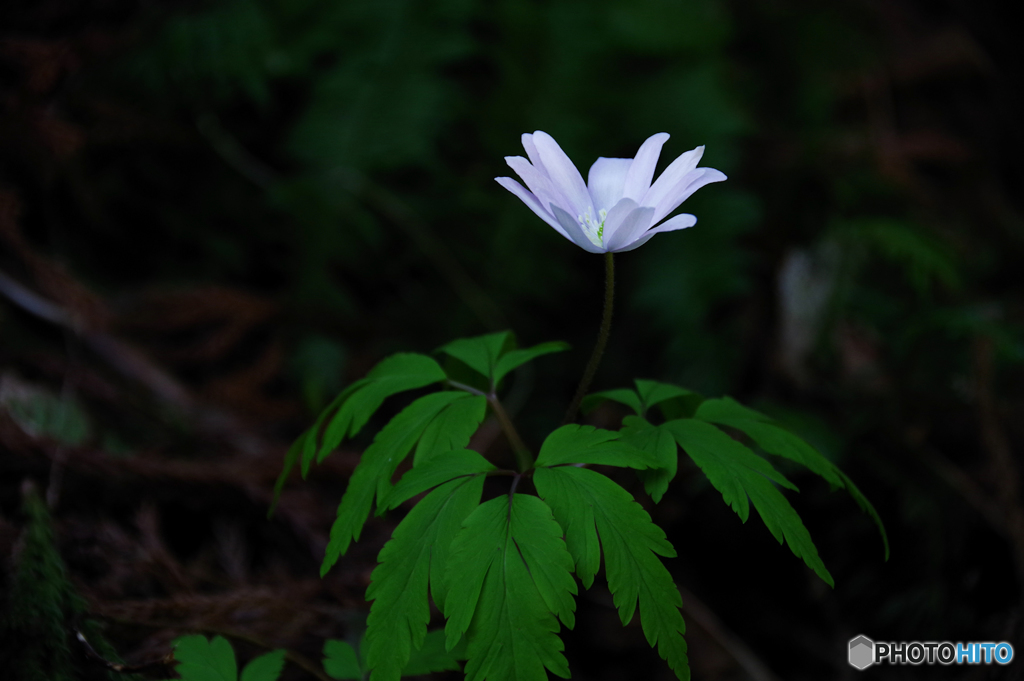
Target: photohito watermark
(864,652)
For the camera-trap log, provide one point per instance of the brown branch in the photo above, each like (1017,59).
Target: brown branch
(697,611)
(134,365)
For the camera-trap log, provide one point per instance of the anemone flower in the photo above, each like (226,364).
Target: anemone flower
(618,209)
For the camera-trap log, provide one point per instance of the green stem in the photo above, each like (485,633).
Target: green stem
(602,340)
(524,459)
(468,388)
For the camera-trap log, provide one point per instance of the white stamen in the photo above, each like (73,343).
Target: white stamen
(594,229)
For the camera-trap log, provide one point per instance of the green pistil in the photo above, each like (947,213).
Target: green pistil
(588,226)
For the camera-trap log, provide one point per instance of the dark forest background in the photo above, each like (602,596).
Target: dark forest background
(214,215)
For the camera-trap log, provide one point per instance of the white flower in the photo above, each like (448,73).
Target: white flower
(618,208)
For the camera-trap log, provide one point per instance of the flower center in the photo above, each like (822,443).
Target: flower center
(594,229)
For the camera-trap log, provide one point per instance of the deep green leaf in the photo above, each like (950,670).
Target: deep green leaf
(452,428)
(493,356)
(621,395)
(776,440)
(453,464)
(586,444)
(680,407)
(589,507)
(867,507)
(312,437)
(341,661)
(516,358)
(202,660)
(724,409)
(397,373)
(266,667)
(417,553)
(658,443)
(509,575)
(432,657)
(372,475)
(290,459)
(653,392)
(647,394)
(771,438)
(480,353)
(737,472)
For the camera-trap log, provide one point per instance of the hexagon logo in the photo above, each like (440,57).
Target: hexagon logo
(862,652)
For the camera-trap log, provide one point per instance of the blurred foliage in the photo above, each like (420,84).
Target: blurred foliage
(855,277)
(44,612)
(309,108)
(41,413)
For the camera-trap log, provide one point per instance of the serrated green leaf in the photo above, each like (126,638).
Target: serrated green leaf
(266,667)
(290,459)
(372,475)
(647,394)
(680,407)
(493,356)
(621,395)
(776,440)
(867,507)
(453,464)
(723,409)
(653,392)
(771,438)
(395,374)
(573,443)
(452,428)
(591,507)
(202,660)
(516,358)
(432,657)
(640,433)
(313,436)
(480,353)
(509,575)
(416,554)
(305,446)
(575,512)
(341,661)
(737,472)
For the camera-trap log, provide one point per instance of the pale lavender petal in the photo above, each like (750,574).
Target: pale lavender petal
(681,221)
(531,202)
(574,232)
(684,189)
(616,215)
(638,179)
(634,224)
(618,189)
(675,172)
(537,182)
(531,152)
(563,174)
(605,181)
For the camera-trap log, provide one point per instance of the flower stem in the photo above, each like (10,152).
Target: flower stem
(602,340)
(524,459)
